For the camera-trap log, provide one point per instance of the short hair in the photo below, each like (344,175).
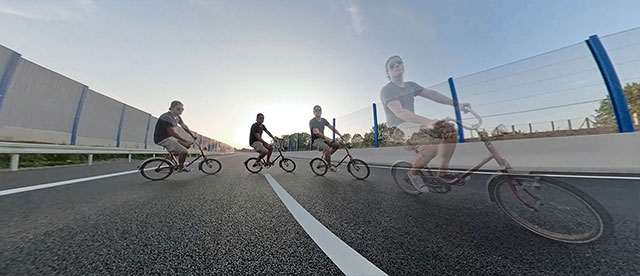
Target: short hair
(175,103)
(258,116)
(314,108)
(386,64)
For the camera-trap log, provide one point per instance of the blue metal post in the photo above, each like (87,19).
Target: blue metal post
(120,126)
(454,97)
(146,135)
(618,101)
(375,125)
(289,149)
(311,141)
(9,73)
(298,142)
(334,127)
(76,120)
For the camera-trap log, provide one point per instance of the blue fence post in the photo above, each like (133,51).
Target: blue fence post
(454,97)
(76,119)
(120,125)
(146,135)
(298,142)
(289,149)
(334,126)
(9,73)
(311,141)
(618,101)
(375,126)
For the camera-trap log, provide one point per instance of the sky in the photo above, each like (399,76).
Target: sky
(228,60)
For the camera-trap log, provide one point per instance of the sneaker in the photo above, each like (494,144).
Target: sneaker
(418,183)
(333,169)
(185,170)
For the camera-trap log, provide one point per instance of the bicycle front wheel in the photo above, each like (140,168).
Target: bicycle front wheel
(210,166)
(156,169)
(358,168)
(287,165)
(556,210)
(399,172)
(318,166)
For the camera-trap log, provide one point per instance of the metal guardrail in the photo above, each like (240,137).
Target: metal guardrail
(15,149)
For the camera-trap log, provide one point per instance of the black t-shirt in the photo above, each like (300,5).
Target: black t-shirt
(256,128)
(404,95)
(165,121)
(319,125)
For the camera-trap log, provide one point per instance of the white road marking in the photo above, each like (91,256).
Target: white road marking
(345,257)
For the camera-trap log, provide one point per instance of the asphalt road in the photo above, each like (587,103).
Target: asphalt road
(234,223)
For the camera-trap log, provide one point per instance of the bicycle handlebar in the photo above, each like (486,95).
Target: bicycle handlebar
(465,125)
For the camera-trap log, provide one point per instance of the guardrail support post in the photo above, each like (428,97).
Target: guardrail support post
(618,102)
(375,126)
(15,160)
(456,107)
(90,159)
(129,157)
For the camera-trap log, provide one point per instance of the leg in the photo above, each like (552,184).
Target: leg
(269,152)
(327,155)
(182,156)
(425,154)
(447,148)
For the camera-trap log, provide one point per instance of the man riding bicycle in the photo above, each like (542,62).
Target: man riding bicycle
(319,141)
(166,135)
(434,136)
(261,146)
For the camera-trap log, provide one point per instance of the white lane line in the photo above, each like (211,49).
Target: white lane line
(347,259)
(60,183)
(71,181)
(534,174)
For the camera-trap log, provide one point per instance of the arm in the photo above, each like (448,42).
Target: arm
(186,128)
(407,115)
(172,131)
(270,135)
(334,130)
(439,98)
(317,132)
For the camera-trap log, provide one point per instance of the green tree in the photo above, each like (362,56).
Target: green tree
(604,113)
(357,140)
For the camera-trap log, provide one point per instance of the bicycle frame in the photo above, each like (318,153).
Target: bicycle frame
(493,155)
(175,162)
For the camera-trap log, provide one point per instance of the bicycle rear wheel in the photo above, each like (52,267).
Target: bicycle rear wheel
(210,166)
(287,165)
(358,168)
(558,210)
(318,166)
(156,169)
(399,172)
(252,166)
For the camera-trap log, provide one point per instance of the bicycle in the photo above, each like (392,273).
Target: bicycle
(285,163)
(160,168)
(356,167)
(546,206)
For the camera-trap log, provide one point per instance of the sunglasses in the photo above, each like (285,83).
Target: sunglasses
(317,110)
(395,64)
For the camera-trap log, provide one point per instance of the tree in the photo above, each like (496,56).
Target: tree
(604,113)
(357,140)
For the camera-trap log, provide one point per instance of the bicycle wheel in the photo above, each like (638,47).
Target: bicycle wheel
(399,172)
(156,169)
(252,166)
(559,211)
(287,165)
(210,166)
(358,168)
(318,166)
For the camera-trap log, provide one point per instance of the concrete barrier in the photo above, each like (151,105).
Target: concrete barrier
(604,153)
(39,105)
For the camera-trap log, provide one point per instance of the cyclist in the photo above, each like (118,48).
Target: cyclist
(321,142)
(434,136)
(166,135)
(261,146)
